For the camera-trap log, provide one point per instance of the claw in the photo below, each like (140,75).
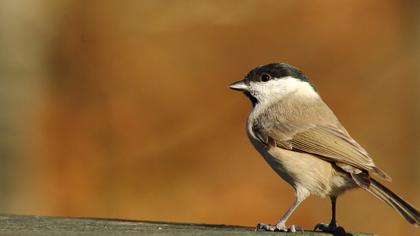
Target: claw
(266,227)
(336,230)
(279,227)
(295,228)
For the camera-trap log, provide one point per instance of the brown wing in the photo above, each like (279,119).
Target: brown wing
(327,142)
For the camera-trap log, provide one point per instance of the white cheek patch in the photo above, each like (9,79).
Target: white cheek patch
(279,88)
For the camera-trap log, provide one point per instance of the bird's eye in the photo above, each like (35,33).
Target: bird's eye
(265,77)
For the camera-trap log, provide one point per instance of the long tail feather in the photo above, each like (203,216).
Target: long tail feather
(410,213)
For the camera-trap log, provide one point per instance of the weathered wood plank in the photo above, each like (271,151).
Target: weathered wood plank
(36,225)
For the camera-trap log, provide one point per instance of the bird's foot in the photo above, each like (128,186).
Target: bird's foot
(279,227)
(330,228)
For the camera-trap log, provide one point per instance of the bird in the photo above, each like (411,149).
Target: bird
(303,141)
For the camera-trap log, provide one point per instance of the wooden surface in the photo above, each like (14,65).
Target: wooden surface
(35,225)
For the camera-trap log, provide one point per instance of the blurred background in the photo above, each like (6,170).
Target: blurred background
(121,108)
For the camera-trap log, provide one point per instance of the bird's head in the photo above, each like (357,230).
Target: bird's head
(270,82)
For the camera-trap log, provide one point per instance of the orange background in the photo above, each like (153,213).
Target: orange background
(121,109)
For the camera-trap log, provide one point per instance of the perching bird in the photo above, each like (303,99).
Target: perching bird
(303,141)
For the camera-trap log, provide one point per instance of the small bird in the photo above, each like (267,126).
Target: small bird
(305,144)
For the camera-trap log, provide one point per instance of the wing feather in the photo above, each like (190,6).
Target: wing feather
(327,141)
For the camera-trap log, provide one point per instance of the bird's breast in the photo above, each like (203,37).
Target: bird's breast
(301,170)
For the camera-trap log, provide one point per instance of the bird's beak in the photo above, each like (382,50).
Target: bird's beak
(239,85)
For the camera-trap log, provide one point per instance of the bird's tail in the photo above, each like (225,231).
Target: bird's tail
(410,213)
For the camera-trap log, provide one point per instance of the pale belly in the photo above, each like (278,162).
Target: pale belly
(305,171)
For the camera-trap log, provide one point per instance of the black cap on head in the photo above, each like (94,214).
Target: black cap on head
(276,70)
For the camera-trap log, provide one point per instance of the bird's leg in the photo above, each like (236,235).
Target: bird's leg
(281,224)
(333,222)
(332,226)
